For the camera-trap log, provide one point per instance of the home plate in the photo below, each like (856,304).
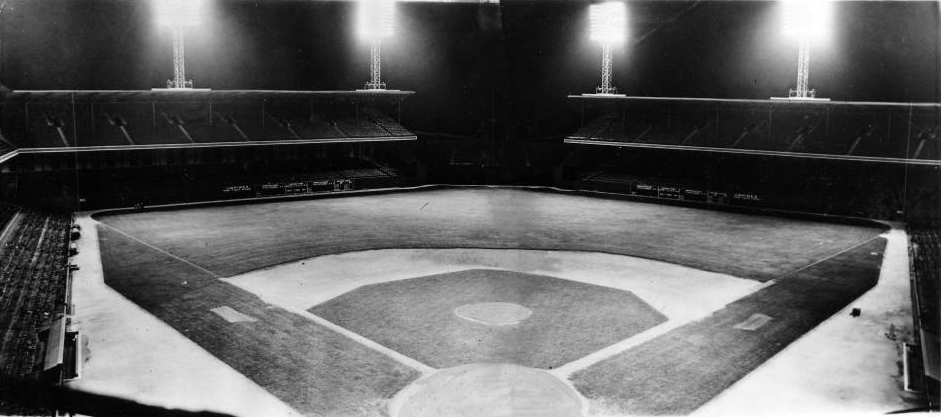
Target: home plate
(753,322)
(231,315)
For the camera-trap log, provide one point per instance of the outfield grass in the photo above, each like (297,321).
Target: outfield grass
(680,371)
(230,240)
(311,368)
(416,318)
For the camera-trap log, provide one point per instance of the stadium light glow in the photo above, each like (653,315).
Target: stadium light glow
(807,21)
(178,15)
(607,22)
(607,25)
(375,21)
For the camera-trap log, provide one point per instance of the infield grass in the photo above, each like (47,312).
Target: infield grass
(416,318)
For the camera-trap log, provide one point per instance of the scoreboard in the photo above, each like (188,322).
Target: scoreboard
(287,188)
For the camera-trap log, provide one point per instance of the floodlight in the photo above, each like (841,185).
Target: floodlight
(607,22)
(172,13)
(806,21)
(178,15)
(375,21)
(607,25)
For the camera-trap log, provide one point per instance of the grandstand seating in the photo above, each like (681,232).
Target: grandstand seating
(33,279)
(361,128)
(737,127)
(926,262)
(595,128)
(316,127)
(49,125)
(184,122)
(97,121)
(121,124)
(925,252)
(386,122)
(926,143)
(797,130)
(855,131)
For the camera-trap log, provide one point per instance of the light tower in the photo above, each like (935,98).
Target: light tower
(178,15)
(607,26)
(375,21)
(807,22)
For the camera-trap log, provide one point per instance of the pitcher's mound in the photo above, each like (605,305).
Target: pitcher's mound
(499,314)
(488,390)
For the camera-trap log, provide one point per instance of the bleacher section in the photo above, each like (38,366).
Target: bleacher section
(839,129)
(33,289)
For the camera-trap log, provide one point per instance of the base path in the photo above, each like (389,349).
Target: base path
(488,390)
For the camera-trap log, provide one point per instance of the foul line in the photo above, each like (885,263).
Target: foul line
(833,256)
(398,357)
(565,371)
(160,250)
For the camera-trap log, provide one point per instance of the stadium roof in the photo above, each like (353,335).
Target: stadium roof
(195,95)
(749,101)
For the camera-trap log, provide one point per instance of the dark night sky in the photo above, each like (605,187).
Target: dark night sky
(523,56)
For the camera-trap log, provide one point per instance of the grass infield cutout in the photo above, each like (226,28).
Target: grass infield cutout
(415,317)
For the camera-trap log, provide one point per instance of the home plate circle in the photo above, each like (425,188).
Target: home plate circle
(488,390)
(496,314)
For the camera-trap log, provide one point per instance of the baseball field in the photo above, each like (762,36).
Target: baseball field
(331,306)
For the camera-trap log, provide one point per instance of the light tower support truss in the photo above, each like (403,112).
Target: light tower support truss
(375,66)
(178,16)
(606,65)
(607,25)
(803,89)
(375,22)
(179,80)
(807,22)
